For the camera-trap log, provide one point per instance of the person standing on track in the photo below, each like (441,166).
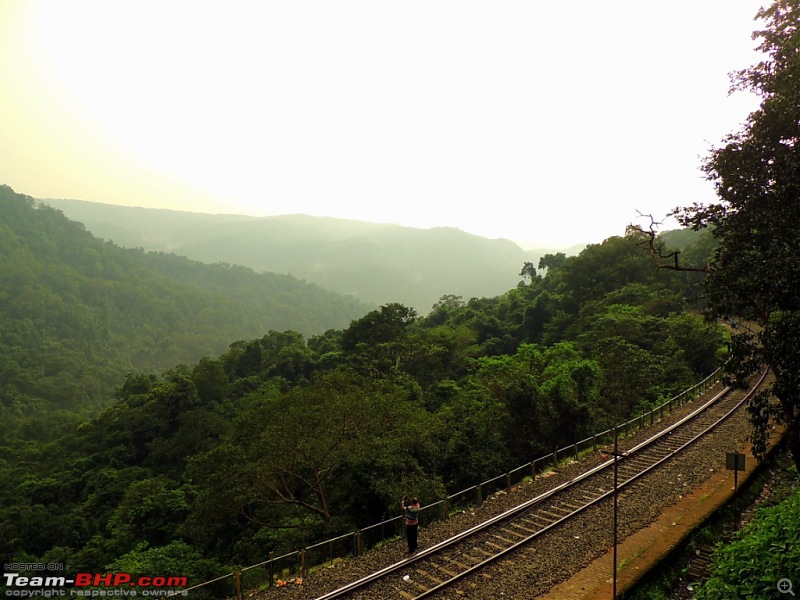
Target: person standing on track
(411,510)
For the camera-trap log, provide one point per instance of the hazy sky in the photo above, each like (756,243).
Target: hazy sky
(549,123)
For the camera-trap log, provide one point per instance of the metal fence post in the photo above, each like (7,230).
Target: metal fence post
(271,569)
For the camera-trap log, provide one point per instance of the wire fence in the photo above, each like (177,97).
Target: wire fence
(290,568)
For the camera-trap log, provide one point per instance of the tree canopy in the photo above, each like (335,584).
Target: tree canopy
(276,440)
(77,314)
(755,270)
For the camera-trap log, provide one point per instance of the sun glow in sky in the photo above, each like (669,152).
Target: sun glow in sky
(548,123)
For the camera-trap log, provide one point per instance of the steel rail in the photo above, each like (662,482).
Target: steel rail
(600,498)
(527,506)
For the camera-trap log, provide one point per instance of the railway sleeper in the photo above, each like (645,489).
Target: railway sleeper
(628,467)
(441,568)
(462,566)
(705,420)
(555,515)
(681,439)
(498,547)
(642,466)
(660,448)
(698,567)
(510,533)
(527,530)
(587,498)
(626,474)
(430,576)
(645,461)
(561,511)
(421,587)
(472,560)
(661,454)
(486,553)
(534,519)
(564,510)
(539,521)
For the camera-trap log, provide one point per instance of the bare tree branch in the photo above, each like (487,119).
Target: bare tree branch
(647,239)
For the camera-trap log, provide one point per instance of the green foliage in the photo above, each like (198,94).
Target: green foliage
(380,326)
(604,268)
(755,270)
(697,247)
(277,441)
(283,454)
(149,510)
(175,559)
(767,550)
(77,314)
(550,395)
(473,435)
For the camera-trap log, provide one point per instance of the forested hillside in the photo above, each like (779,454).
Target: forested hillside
(283,439)
(77,314)
(377,263)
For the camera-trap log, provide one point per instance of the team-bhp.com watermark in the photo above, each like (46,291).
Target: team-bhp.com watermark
(118,584)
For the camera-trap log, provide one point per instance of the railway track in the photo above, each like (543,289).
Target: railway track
(432,570)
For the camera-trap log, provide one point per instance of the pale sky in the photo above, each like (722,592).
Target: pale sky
(547,123)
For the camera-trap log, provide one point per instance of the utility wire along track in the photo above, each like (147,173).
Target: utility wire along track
(433,569)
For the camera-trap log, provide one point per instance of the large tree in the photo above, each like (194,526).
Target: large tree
(756,270)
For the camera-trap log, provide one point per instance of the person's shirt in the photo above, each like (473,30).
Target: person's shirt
(412,513)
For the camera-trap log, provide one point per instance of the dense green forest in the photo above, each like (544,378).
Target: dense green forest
(753,274)
(77,314)
(283,438)
(303,430)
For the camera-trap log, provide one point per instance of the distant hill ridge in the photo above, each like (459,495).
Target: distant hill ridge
(376,263)
(83,312)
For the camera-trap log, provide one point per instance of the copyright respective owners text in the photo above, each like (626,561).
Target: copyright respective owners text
(48,580)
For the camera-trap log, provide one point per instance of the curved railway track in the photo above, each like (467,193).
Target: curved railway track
(432,570)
